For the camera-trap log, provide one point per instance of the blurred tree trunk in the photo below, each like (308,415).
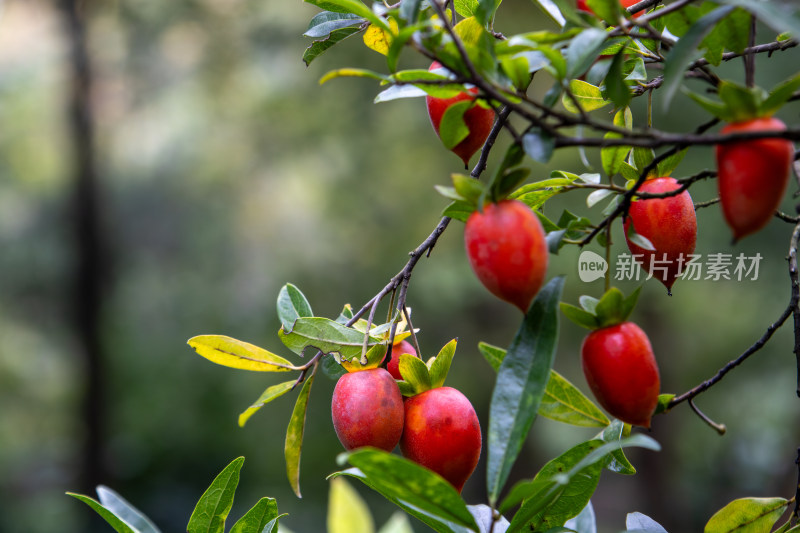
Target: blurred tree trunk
(86,296)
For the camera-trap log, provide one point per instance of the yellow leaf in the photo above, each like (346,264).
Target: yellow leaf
(347,512)
(470,30)
(378,39)
(227,351)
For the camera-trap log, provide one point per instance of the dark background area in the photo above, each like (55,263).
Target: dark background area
(215,169)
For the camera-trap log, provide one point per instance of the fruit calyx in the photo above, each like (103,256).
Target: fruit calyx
(740,104)
(419,376)
(612,309)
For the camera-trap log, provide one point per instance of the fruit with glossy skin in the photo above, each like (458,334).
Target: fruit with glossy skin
(621,370)
(479,120)
(752,175)
(507,250)
(367,410)
(397,350)
(669,224)
(582,6)
(442,433)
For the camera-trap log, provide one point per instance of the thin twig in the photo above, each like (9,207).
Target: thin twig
(719,428)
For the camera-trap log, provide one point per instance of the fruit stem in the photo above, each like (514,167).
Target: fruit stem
(750,58)
(719,428)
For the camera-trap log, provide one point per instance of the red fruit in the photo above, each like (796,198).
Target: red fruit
(625,3)
(479,120)
(367,410)
(621,370)
(442,433)
(394,363)
(507,250)
(669,224)
(752,175)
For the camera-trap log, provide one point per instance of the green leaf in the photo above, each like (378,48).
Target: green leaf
(212,509)
(317,48)
(608,10)
(112,519)
(415,373)
(583,50)
(642,157)
(663,403)
(597,196)
(441,365)
(715,108)
(619,463)
(747,515)
(588,96)
(639,240)
(352,73)
(563,402)
(331,368)
(617,89)
(580,316)
(125,511)
(742,101)
(459,211)
(257,518)
(552,11)
(468,188)
(779,96)
(643,523)
(452,128)
(347,511)
(520,385)
(233,353)
(350,6)
(612,157)
(325,335)
(419,491)
(292,304)
(273,392)
(493,355)
(538,144)
(466,8)
(294,435)
(685,51)
(629,303)
(669,164)
(779,16)
(326,22)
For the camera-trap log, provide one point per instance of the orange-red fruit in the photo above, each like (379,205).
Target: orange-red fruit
(669,224)
(621,370)
(442,433)
(397,350)
(625,3)
(752,175)
(507,250)
(367,410)
(479,120)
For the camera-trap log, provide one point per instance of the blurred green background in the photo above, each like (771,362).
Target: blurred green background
(224,171)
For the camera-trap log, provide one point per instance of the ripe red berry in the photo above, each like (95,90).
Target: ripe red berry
(367,410)
(507,250)
(397,350)
(479,120)
(669,224)
(621,370)
(442,433)
(752,175)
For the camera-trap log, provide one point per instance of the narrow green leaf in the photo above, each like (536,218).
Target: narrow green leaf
(667,166)
(616,431)
(639,240)
(493,355)
(589,303)
(685,51)
(326,22)
(617,89)
(459,211)
(292,304)
(715,108)
(466,8)
(563,402)
(124,510)
(325,335)
(580,316)
(441,365)
(294,436)
(317,48)
(273,392)
(233,353)
(452,128)
(257,518)
(423,493)
(612,157)
(552,11)
(608,10)
(629,303)
(520,385)
(597,196)
(642,157)
(779,96)
(663,403)
(588,96)
(112,519)
(781,17)
(415,373)
(351,73)
(331,368)
(747,515)
(583,50)
(350,6)
(347,511)
(212,509)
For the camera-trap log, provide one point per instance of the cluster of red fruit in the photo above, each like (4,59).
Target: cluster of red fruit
(437,428)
